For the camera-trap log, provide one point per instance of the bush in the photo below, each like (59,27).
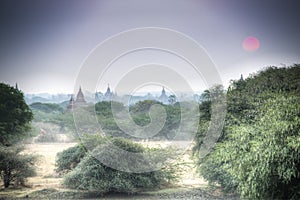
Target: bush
(15,166)
(69,158)
(91,174)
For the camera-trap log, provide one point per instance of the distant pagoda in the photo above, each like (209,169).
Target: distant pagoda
(108,94)
(80,101)
(163,97)
(80,98)
(71,103)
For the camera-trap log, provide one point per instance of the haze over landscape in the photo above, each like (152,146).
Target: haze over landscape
(44,43)
(139,99)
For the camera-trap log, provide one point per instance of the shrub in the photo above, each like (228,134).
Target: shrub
(15,167)
(91,174)
(69,158)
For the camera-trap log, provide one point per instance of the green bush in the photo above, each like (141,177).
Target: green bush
(15,166)
(91,174)
(69,158)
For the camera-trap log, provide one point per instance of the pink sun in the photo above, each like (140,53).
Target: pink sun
(251,44)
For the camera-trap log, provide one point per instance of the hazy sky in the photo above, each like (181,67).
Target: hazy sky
(43,43)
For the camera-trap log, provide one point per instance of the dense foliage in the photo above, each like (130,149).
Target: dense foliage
(106,119)
(15,166)
(140,115)
(91,174)
(258,154)
(69,158)
(52,113)
(15,115)
(139,112)
(46,107)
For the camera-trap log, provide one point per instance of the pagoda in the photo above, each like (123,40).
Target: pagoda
(163,97)
(80,101)
(108,94)
(80,98)
(71,103)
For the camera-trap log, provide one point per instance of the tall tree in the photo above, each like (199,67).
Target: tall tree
(15,115)
(258,153)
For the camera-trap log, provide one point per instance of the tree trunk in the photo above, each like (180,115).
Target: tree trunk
(6,181)
(7,178)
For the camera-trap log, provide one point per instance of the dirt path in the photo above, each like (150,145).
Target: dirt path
(46,176)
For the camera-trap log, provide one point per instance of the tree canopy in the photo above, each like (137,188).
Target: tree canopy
(258,155)
(15,115)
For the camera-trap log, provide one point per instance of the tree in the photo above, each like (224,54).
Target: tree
(106,119)
(262,159)
(15,115)
(15,167)
(258,153)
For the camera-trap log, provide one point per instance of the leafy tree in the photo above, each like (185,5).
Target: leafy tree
(211,106)
(106,120)
(140,114)
(258,153)
(15,115)
(104,108)
(263,159)
(15,166)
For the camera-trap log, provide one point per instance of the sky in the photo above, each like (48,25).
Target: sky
(44,44)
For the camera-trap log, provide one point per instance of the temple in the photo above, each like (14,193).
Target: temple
(108,94)
(163,97)
(80,101)
(80,98)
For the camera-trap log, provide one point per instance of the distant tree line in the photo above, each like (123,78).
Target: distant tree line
(54,113)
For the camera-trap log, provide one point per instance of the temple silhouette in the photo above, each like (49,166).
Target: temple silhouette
(109,95)
(80,101)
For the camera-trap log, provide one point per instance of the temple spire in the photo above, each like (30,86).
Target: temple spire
(242,78)
(80,97)
(108,94)
(163,97)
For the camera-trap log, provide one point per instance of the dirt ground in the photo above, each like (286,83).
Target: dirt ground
(46,175)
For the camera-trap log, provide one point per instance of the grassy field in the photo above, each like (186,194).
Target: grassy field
(48,184)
